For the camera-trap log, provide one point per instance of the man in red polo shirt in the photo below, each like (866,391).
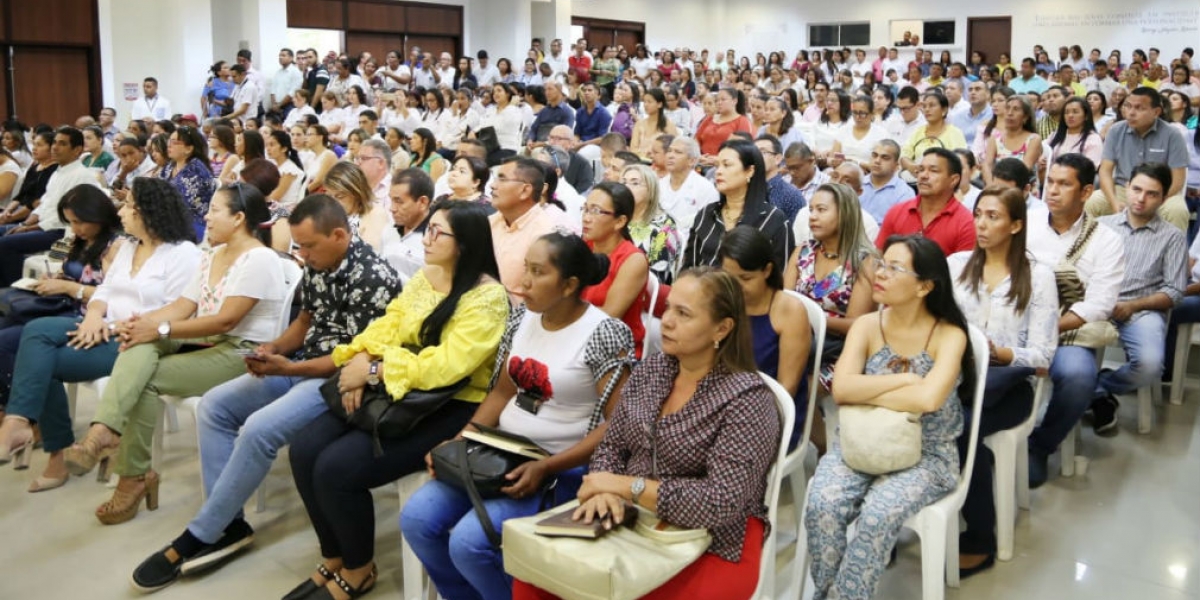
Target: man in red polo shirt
(935,213)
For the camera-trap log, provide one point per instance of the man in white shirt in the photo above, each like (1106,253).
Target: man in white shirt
(908,106)
(556,59)
(954,94)
(410,194)
(894,62)
(1100,80)
(683,192)
(1100,268)
(802,169)
(375,160)
(284,83)
(43,227)
(151,106)
(424,75)
(444,73)
(245,94)
(860,67)
(486,73)
(244,59)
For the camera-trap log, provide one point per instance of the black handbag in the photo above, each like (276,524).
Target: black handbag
(479,470)
(383,417)
(23,306)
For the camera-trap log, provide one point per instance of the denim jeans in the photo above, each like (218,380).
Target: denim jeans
(15,247)
(1187,311)
(243,423)
(440,524)
(1073,372)
(1142,337)
(44,362)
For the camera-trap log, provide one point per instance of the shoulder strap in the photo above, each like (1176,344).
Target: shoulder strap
(468,481)
(1085,236)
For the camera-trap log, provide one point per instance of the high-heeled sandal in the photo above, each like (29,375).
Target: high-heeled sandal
(124,504)
(17,449)
(83,456)
(308,586)
(363,588)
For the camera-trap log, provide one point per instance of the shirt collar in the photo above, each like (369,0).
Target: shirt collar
(1153,224)
(521,221)
(952,206)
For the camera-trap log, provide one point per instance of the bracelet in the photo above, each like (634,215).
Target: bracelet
(79,292)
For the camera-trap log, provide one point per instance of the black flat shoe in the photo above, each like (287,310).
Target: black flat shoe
(988,563)
(308,587)
(156,572)
(236,537)
(367,585)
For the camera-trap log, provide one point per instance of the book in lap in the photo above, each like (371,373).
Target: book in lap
(562,524)
(509,442)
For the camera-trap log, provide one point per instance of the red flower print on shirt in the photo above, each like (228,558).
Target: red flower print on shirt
(531,377)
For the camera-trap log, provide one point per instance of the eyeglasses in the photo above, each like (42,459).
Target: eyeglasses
(893,269)
(632,182)
(433,232)
(593,210)
(360,158)
(503,179)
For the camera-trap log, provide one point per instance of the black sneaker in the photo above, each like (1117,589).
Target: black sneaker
(1104,415)
(238,535)
(1039,469)
(156,572)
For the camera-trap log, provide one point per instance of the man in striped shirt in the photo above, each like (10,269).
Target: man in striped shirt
(1155,279)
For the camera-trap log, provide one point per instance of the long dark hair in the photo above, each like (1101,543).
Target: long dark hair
(246,199)
(163,210)
(1020,287)
(622,202)
(90,205)
(476,258)
(191,136)
(572,257)
(752,251)
(1089,127)
(253,145)
(789,120)
(428,147)
(929,264)
(660,124)
(224,135)
(748,154)
(843,107)
(285,141)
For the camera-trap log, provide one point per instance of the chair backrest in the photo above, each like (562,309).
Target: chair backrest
(816,321)
(1047,151)
(787,420)
(293,274)
(979,346)
(652,342)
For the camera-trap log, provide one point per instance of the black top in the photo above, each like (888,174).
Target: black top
(704,239)
(34,186)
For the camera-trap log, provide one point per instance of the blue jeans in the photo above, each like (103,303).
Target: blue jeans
(1073,372)
(440,524)
(1142,337)
(267,412)
(15,247)
(44,362)
(1187,311)
(10,341)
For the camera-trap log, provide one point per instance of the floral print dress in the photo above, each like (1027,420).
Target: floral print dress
(659,240)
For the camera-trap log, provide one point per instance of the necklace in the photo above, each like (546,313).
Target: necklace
(830,255)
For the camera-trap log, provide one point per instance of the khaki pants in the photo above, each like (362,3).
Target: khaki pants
(1173,211)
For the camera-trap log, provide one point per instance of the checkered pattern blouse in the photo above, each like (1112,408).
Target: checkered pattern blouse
(710,458)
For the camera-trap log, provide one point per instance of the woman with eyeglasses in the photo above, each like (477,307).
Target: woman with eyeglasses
(146,274)
(443,328)
(914,356)
(855,141)
(651,229)
(189,171)
(606,216)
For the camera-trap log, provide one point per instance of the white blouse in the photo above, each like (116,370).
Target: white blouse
(1033,334)
(508,127)
(295,191)
(159,282)
(256,274)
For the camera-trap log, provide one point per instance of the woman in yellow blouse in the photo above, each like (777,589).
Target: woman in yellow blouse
(444,327)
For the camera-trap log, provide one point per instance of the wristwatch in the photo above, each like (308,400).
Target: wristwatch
(637,487)
(164,330)
(373,373)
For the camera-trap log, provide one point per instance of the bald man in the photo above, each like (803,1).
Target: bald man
(579,173)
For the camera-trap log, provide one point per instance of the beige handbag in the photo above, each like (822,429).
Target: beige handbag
(626,563)
(877,440)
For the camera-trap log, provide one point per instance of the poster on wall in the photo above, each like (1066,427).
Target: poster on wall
(132,91)
(1170,29)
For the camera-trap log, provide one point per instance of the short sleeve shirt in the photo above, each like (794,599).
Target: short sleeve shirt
(1161,144)
(344,301)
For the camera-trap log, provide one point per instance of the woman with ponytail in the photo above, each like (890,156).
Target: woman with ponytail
(292,178)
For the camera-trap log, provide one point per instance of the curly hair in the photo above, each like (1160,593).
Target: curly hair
(163,211)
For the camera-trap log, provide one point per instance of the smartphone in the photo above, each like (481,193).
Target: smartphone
(247,353)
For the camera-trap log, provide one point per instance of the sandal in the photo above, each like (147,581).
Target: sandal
(124,504)
(309,586)
(363,588)
(83,456)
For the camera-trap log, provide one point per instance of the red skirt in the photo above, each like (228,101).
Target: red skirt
(710,577)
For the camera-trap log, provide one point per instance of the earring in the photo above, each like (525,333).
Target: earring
(717,344)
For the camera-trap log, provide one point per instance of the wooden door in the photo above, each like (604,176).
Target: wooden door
(50,84)
(991,36)
(378,44)
(435,45)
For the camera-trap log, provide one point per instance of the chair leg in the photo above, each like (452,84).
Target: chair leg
(1145,397)
(1183,343)
(1023,501)
(156,453)
(795,570)
(1005,477)
(1067,452)
(172,417)
(934,569)
(261,505)
(72,397)
(951,557)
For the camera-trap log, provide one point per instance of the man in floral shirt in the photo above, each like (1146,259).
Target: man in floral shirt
(346,286)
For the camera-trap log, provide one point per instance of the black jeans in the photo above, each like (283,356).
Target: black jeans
(1007,401)
(335,467)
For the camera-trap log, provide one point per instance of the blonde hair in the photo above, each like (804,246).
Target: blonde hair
(347,178)
(650,180)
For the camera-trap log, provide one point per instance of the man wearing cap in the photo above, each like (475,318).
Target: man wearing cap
(486,74)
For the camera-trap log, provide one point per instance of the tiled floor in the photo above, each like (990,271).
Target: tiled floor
(1127,530)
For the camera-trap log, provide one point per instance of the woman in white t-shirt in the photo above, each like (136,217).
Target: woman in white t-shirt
(507,119)
(317,142)
(332,117)
(291,170)
(562,364)
(855,140)
(396,113)
(233,302)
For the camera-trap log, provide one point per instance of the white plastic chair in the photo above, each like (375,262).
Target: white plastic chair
(1147,396)
(937,524)
(790,583)
(1011,449)
(169,421)
(1046,156)
(652,342)
(787,420)
(1183,344)
(417,585)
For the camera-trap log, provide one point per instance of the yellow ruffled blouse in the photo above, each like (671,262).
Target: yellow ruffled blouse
(468,344)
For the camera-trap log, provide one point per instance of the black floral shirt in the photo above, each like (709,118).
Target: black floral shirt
(344,301)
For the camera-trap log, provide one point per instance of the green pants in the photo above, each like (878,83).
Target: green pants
(130,404)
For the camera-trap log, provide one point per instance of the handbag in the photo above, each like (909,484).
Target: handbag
(877,440)
(383,417)
(1071,289)
(23,306)
(626,563)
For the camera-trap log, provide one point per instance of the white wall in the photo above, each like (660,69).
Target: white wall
(669,23)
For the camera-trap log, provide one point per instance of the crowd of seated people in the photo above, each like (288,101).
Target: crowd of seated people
(461,223)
